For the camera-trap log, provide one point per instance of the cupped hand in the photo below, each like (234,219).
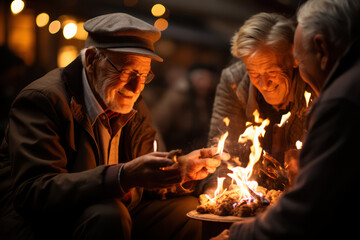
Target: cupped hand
(224,235)
(199,163)
(146,171)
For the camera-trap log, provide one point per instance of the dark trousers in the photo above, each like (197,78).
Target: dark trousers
(151,219)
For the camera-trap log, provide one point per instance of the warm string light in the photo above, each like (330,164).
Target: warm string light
(69,30)
(42,19)
(158,10)
(17,6)
(54,26)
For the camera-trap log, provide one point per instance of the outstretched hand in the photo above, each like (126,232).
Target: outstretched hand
(200,163)
(145,171)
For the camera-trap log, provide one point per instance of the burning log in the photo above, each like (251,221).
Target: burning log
(228,203)
(245,197)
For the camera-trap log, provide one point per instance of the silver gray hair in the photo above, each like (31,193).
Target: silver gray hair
(82,56)
(337,20)
(263,29)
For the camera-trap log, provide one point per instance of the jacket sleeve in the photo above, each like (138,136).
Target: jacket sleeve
(329,171)
(230,101)
(42,185)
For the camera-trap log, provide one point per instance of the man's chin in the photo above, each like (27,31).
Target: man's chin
(122,109)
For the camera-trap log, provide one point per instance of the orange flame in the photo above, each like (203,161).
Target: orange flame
(155,145)
(284,118)
(226,120)
(307,96)
(240,176)
(257,117)
(298,144)
(220,148)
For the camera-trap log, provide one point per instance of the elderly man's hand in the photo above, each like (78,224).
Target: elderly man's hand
(200,163)
(146,171)
(222,236)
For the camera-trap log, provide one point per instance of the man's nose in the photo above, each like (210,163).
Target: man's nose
(265,82)
(135,85)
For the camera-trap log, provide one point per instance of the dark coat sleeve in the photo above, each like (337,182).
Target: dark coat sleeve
(329,169)
(230,101)
(39,156)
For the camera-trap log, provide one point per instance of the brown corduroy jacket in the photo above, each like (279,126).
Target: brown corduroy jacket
(51,152)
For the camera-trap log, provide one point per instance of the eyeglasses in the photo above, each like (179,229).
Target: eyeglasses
(130,75)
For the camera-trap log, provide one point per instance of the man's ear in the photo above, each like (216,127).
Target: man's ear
(90,55)
(321,48)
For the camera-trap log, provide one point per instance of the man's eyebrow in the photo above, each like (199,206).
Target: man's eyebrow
(272,66)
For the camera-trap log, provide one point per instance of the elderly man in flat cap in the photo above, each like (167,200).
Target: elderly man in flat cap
(78,152)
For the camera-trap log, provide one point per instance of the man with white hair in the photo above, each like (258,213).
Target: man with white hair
(265,79)
(320,204)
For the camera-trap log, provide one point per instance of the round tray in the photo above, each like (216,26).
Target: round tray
(215,218)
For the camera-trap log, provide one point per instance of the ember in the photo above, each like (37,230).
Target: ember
(228,203)
(244,197)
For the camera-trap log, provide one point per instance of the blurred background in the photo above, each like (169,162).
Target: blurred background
(37,36)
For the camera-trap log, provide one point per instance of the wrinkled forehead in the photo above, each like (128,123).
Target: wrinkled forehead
(266,58)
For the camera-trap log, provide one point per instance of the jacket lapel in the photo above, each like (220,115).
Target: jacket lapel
(72,76)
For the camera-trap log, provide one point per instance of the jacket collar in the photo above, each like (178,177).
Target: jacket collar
(72,76)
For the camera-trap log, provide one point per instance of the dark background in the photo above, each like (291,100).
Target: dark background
(198,32)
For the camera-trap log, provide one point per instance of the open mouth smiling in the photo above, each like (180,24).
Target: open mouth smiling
(271,90)
(125,95)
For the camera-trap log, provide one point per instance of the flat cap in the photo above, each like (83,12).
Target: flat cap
(121,32)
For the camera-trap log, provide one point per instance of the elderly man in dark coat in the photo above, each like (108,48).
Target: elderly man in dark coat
(79,147)
(320,204)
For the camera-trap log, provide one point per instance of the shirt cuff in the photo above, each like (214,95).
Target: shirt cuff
(112,182)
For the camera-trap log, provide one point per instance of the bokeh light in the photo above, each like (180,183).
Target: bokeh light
(81,34)
(42,19)
(161,24)
(17,6)
(69,30)
(54,26)
(66,55)
(158,10)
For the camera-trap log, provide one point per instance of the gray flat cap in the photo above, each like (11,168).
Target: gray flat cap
(121,32)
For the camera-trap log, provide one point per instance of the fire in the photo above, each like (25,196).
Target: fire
(155,145)
(253,133)
(284,118)
(226,121)
(241,176)
(257,117)
(307,96)
(298,144)
(220,148)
